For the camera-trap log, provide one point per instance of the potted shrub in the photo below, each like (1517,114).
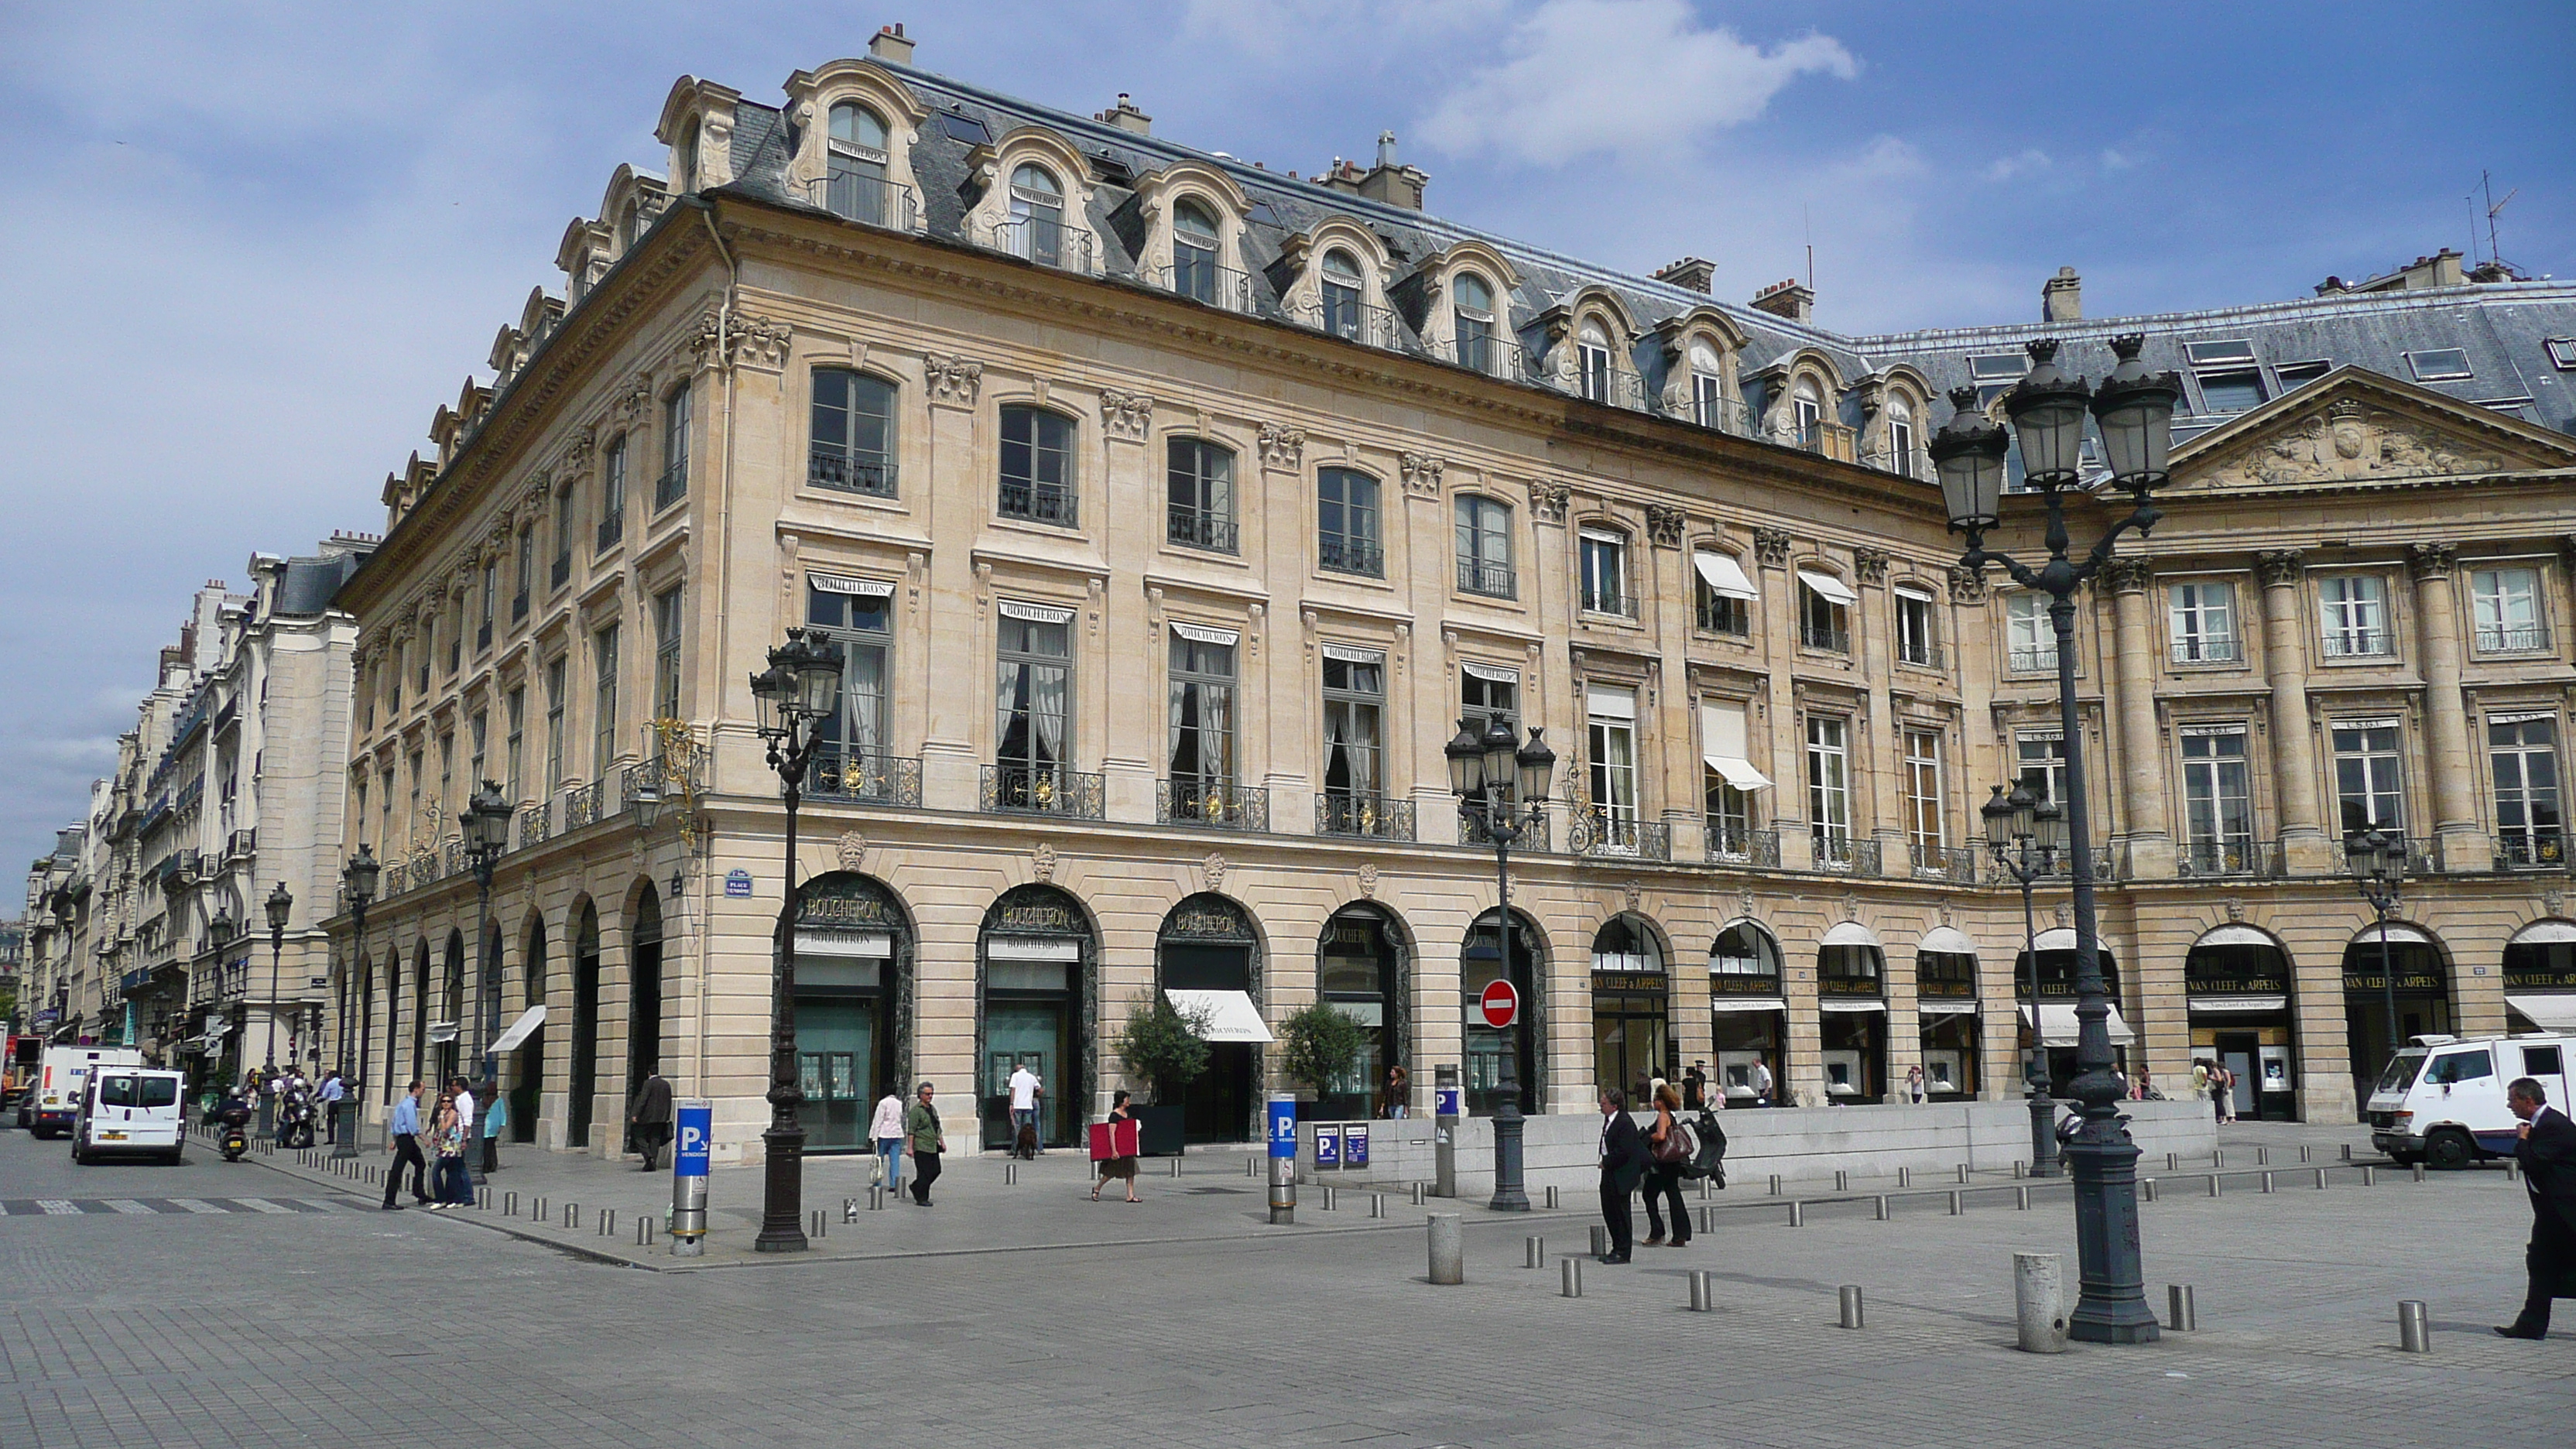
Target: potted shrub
(1317,1045)
(1166,1049)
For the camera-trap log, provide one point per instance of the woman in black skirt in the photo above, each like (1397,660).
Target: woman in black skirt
(1114,1168)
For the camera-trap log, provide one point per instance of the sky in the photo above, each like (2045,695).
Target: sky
(250,248)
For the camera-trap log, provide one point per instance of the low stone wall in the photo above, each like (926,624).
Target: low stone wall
(1801,1144)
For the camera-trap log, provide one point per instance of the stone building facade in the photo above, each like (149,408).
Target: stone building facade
(1173,512)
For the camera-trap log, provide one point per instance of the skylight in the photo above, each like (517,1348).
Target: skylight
(2239,353)
(2439,364)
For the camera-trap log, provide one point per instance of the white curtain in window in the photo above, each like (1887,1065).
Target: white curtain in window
(1046,708)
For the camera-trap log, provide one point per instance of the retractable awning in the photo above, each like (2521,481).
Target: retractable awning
(1739,773)
(2238,1005)
(1835,1003)
(1945,1008)
(2057,1026)
(1829,586)
(1231,1015)
(520,1030)
(1724,576)
(1747,1003)
(2548,1012)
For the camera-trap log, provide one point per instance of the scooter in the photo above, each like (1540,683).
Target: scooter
(235,1141)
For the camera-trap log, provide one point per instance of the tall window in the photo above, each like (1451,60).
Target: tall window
(1605,573)
(1829,788)
(2369,782)
(667,621)
(1037,466)
(1484,547)
(1342,293)
(1900,437)
(1471,314)
(2355,608)
(1722,594)
(555,691)
(1194,252)
(1354,712)
(1729,778)
(2506,606)
(491,603)
(1346,523)
(858,615)
(419,783)
(689,156)
(1918,639)
(1592,356)
(564,523)
(359,786)
(2523,754)
(603,710)
(2203,620)
(2041,760)
(514,718)
(851,447)
(456,634)
(1034,650)
(527,575)
(1037,216)
(446,776)
(1610,760)
(385,842)
(1806,411)
(612,495)
(1201,723)
(1824,612)
(2218,812)
(855,184)
(1707,385)
(2030,636)
(1199,484)
(1925,829)
(673,485)
(478,732)
(428,647)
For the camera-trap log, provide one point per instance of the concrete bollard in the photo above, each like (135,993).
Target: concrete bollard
(1448,1250)
(2021,1198)
(1551,1199)
(2414,1327)
(1569,1277)
(1955,1205)
(1533,1252)
(1331,1196)
(1797,1214)
(2321,1179)
(2148,1186)
(2267,1182)
(2039,1302)
(1600,1241)
(2369,1175)
(1775,1184)
(1703,1291)
(1850,1299)
(1421,1193)
(2419,1172)
(2182,1315)
(1842,1180)
(1905,1177)
(1377,1204)
(1878,1207)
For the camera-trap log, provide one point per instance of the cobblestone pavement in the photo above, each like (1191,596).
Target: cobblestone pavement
(1197,1325)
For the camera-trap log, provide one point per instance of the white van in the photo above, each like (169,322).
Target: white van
(55,1098)
(2441,1101)
(129,1111)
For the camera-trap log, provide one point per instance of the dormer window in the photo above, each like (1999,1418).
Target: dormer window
(855,184)
(1342,296)
(1806,410)
(1194,253)
(1900,437)
(688,177)
(1036,228)
(1472,315)
(1707,385)
(1592,355)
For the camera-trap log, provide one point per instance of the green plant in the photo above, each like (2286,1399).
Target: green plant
(1164,1046)
(1318,1044)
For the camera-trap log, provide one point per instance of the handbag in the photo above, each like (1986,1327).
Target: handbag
(1675,1149)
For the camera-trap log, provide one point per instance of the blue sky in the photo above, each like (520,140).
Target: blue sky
(251,248)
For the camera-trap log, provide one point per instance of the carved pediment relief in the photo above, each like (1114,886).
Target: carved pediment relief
(2357,427)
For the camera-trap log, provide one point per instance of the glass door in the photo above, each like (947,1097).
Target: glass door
(1032,1032)
(835,1062)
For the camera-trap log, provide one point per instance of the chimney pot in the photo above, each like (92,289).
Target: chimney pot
(1786,299)
(889,44)
(1690,272)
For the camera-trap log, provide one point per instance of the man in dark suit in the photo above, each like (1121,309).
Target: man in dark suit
(2547,1151)
(1623,1162)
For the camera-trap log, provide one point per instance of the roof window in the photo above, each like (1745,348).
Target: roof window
(1996,372)
(2237,391)
(962,127)
(2220,354)
(2300,374)
(2439,364)
(2562,353)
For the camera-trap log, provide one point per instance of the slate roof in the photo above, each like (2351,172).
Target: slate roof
(306,586)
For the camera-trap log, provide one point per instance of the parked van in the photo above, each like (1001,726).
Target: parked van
(129,1111)
(56,1099)
(2441,1100)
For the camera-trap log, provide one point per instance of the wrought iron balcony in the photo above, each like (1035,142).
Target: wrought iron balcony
(241,845)
(1619,606)
(1495,580)
(1343,553)
(1735,845)
(1718,614)
(2542,849)
(673,485)
(1721,414)
(868,200)
(1037,239)
(536,823)
(1022,789)
(1539,836)
(2232,855)
(612,530)
(1833,849)
(561,573)
(2512,639)
(2031,661)
(2358,644)
(1958,864)
(864,777)
(1376,817)
(1492,356)
(1222,804)
(1208,283)
(1596,831)
(2419,854)
(519,606)
(1039,503)
(581,807)
(1830,638)
(1350,321)
(1193,527)
(2207,649)
(1921,653)
(848,470)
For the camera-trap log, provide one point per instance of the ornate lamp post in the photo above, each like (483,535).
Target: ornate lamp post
(2377,861)
(1481,768)
(486,824)
(358,880)
(281,904)
(800,689)
(2026,837)
(2134,412)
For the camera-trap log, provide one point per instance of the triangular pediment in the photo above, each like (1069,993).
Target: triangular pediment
(2357,426)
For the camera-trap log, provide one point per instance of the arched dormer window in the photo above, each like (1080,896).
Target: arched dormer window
(1707,384)
(1195,249)
(1471,305)
(688,177)
(855,182)
(1900,436)
(1035,231)
(629,218)
(1806,412)
(1592,359)
(1343,293)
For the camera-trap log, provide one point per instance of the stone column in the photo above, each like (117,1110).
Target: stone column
(1131,754)
(2294,765)
(2147,847)
(1788,746)
(952,716)
(2462,843)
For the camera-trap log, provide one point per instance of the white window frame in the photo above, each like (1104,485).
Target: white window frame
(2030,636)
(2190,608)
(2494,604)
(1926,819)
(1829,788)
(2372,770)
(1918,629)
(2352,616)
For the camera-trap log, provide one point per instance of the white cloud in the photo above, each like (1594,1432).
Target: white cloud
(2008,167)
(1637,80)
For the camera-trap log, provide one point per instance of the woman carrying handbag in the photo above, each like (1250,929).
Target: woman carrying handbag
(1668,1150)
(1115,1148)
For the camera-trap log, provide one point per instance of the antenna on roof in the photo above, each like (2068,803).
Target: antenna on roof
(1807,219)
(2486,184)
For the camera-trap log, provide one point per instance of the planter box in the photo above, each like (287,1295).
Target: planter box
(1160,1130)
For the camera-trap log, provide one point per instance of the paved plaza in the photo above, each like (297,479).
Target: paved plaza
(283,1308)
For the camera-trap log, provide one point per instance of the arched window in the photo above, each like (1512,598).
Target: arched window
(688,168)
(1592,355)
(1346,523)
(1631,1031)
(1036,228)
(1199,480)
(628,225)
(1485,547)
(852,448)
(1707,385)
(1471,306)
(1343,288)
(855,183)
(1900,436)
(1194,252)
(1806,410)
(1037,466)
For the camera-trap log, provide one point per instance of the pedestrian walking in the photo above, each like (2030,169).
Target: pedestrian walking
(1025,1087)
(1761,1083)
(455,1187)
(928,1141)
(1914,1085)
(1399,1092)
(465,1103)
(496,1120)
(1623,1164)
(332,1094)
(648,1118)
(1695,1087)
(1668,1151)
(2545,1146)
(885,1128)
(2222,1091)
(403,1141)
(1119,1165)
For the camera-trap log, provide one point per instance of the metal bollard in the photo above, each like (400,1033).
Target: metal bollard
(2369,1175)
(1176,1166)
(2182,1315)
(816,1230)
(608,1223)
(1330,1198)
(2021,1169)
(1905,1177)
(1850,1296)
(509,1204)
(876,1198)
(2173,1162)
(1569,1277)
(1708,1187)
(2214,1180)
(1878,1205)
(1842,1180)
(1249,1164)
(1955,1206)
(1551,1199)
(2512,1170)
(1707,1219)
(1010,1174)
(1448,1250)
(2039,1302)
(483,1198)
(2347,1152)
(1600,1241)
(2262,1157)
(2414,1327)
(2267,1182)
(1533,1252)
(849,1210)
(1775,1184)
(1703,1291)
(537,1209)
(1377,1204)
(1797,1214)
(572,1215)
(1963,1172)
(2321,1179)
(2148,1186)
(2021,1198)
(644,1231)
(2218,1157)
(1418,1194)
(2303,1152)
(2419,1172)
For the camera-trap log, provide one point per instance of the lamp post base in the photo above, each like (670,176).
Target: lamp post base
(1509,1195)
(2113,1305)
(782,1198)
(2043,1134)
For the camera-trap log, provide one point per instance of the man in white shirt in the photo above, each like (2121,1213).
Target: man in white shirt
(1761,1084)
(333,1093)
(1025,1089)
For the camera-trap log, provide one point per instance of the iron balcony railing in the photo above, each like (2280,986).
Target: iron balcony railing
(1208,283)
(1339,812)
(1345,554)
(536,823)
(1492,356)
(2516,639)
(612,531)
(1736,845)
(2231,855)
(581,807)
(1037,239)
(561,573)
(2531,849)
(241,845)
(1620,606)
(672,486)
(1717,613)
(1539,836)
(2031,661)
(2419,854)
(1958,864)
(1476,576)
(519,606)
(849,470)
(1614,388)
(483,636)
(866,777)
(2058,867)
(1833,849)
(1024,789)
(1913,463)
(1194,527)
(1351,321)
(869,200)
(2356,643)
(1038,503)
(1598,831)
(1721,414)
(1922,653)
(1222,804)
(2206,649)
(1830,638)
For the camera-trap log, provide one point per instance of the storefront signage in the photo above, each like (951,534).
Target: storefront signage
(2423,981)
(1632,983)
(738,884)
(1038,919)
(1208,921)
(2519,977)
(1730,984)
(847,902)
(2237,983)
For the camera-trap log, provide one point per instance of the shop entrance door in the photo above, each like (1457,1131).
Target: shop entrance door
(1031,1032)
(836,1039)
(2237,1052)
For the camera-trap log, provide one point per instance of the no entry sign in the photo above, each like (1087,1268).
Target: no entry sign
(1500,1004)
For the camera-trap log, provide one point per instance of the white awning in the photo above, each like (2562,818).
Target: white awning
(869,945)
(1852,1004)
(1747,1003)
(2544,933)
(1722,745)
(1739,773)
(1032,948)
(1945,1008)
(1724,576)
(2234,936)
(1947,940)
(520,1030)
(1231,1014)
(2549,1013)
(2057,1026)
(1351,654)
(1035,613)
(1849,933)
(1202,634)
(2056,938)
(1829,586)
(1491,674)
(2398,935)
(1610,701)
(2238,1005)
(864,588)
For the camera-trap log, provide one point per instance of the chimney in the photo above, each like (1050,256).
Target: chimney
(1689,273)
(1786,299)
(1390,181)
(889,45)
(1126,117)
(2061,297)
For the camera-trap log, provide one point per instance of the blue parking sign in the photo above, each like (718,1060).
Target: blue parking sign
(1354,1144)
(1445,1102)
(1328,1145)
(697,1121)
(1283,1125)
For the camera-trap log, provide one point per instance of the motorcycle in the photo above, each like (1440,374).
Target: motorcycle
(235,1138)
(295,1119)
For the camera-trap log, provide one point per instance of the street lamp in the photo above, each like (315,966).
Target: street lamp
(800,689)
(486,824)
(2377,861)
(281,902)
(2133,410)
(2026,836)
(358,880)
(1481,768)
